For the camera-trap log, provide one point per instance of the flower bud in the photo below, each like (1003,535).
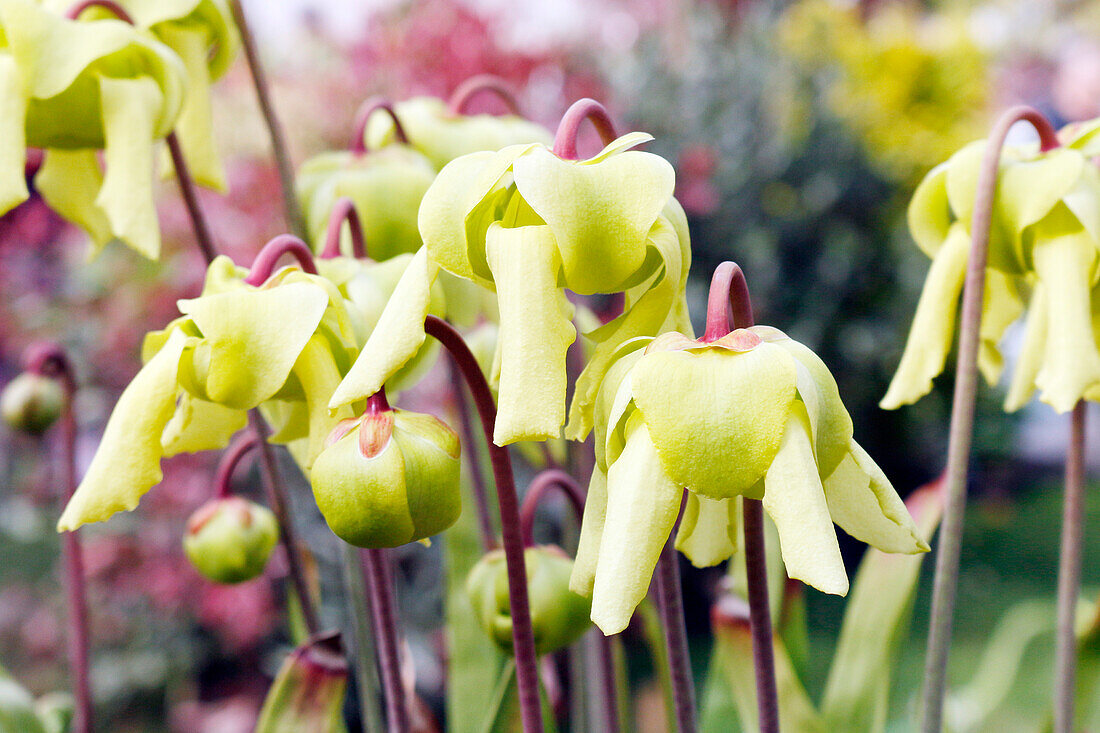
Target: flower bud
(558,615)
(388,478)
(32,402)
(229,540)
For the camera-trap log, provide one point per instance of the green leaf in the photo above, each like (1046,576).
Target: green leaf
(876,619)
(504,713)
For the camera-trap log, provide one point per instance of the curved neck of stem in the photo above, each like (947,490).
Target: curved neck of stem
(230,460)
(377,403)
(284,244)
(565,141)
(523,639)
(48,359)
(358,144)
(729,305)
(109,5)
(344,211)
(476,85)
(552,479)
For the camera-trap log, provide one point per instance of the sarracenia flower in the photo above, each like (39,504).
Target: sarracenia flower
(75,87)
(1044,254)
(528,223)
(753,414)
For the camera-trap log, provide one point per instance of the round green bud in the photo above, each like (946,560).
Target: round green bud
(229,540)
(388,478)
(32,402)
(558,615)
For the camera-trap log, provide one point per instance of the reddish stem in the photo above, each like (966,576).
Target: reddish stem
(376,567)
(230,460)
(477,475)
(344,210)
(190,195)
(50,360)
(565,141)
(523,639)
(729,302)
(670,605)
(358,144)
(1069,575)
(264,264)
(551,479)
(377,403)
(112,7)
(945,580)
(476,85)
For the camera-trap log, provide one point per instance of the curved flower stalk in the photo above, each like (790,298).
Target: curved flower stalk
(442,134)
(1044,257)
(754,414)
(528,221)
(75,87)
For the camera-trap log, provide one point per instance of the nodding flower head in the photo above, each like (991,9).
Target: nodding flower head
(229,540)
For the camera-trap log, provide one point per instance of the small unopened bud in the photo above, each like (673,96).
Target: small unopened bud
(558,615)
(229,540)
(308,692)
(32,402)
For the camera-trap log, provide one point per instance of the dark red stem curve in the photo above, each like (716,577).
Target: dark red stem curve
(109,5)
(523,638)
(376,567)
(728,304)
(229,462)
(477,475)
(344,211)
(542,483)
(670,606)
(284,244)
(358,145)
(565,141)
(49,359)
(476,85)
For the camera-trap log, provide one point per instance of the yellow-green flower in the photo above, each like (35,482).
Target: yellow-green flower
(443,136)
(753,414)
(1043,256)
(75,87)
(527,224)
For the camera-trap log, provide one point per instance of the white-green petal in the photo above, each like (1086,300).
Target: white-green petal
(588,545)
(929,212)
(397,337)
(127,462)
(1002,306)
(863,503)
(199,425)
(13,149)
(535,333)
(933,328)
(795,500)
(1032,352)
(642,504)
(69,181)
(708,530)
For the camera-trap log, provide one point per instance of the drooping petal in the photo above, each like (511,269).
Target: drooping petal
(199,425)
(1032,352)
(254,337)
(1066,264)
(588,545)
(600,213)
(708,530)
(933,328)
(795,500)
(127,462)
(1002,306)
(863,503)
(613,398)
(716,417)
(535,333)
(195,124)
(13,148)
(929,212)
(69,181)
(397,337)
(642,504)
(130,113)
(1027,191)
(316,371)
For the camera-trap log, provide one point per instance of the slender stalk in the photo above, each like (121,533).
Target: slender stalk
(729,305)
(292,210)
(477,475)
(945,581)
(523,638)
(670,605)
(1069,575)
(358,145)
(112,7)
(480,84)
(551,479)
(190,194)
(362,637)
(278,498)
(230,459)
(565,141)
(284,244)
(50,360)
(344,210)
(376,566)
(608,682)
